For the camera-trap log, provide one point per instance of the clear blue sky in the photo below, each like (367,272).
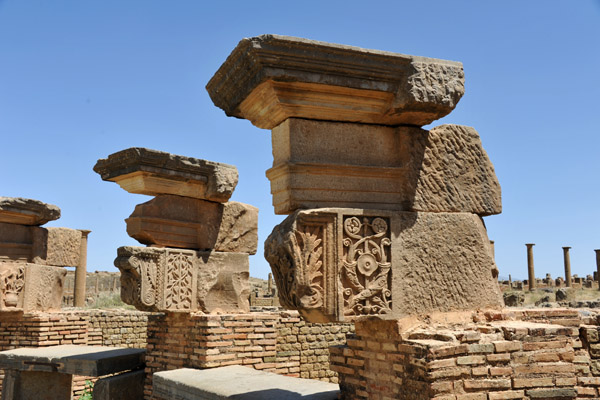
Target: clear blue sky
(82,79)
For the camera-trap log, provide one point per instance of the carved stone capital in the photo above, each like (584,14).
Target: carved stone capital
(167,279)
(338,264)
(30,287)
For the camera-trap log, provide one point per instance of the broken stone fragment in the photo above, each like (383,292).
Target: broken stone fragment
(30,287)
(335,164)
(183,222)
(151,172)
(59,247)
(166,279)
(270,78)
(16,210)
(338,264)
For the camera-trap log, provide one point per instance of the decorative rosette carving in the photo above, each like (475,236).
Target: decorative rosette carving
(365,274)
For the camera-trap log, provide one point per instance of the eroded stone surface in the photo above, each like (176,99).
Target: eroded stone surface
(152,172)
(60,247)
(175,221)
(56,246)
(166,279)
(331,164)
(17,210)
(30,287)
(339,264)
(270,78)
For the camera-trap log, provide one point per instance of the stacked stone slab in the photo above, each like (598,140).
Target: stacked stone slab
(198,242)
(32,258)
(385,216)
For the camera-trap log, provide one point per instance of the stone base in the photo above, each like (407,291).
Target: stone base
(544,354)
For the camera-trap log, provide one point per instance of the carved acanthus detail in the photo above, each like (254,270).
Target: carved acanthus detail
(365,274)
(13,281)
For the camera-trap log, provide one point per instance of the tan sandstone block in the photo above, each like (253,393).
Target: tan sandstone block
(183,222)
(31,287)
(331,164)
(270,78)
(145,171)
(411,263)
(167,279)
(60,247)
(17,210)
(16,242)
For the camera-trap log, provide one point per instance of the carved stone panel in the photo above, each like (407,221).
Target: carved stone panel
(339,264)
(167,279)
(30,287)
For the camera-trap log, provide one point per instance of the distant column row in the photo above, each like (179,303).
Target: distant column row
(567,262)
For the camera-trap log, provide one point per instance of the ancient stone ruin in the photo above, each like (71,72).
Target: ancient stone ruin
(385,217)
(32,258)
(198,241)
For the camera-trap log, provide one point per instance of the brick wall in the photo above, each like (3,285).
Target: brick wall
(536,354)
(273,342)
(84,327)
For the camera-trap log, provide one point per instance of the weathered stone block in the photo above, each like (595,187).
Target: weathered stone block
(46,246)
(31,287)
(339,264)
(270,78)
(152,172)
(183,222)
(56,246)
(166,279)
(16,210)
(324,164)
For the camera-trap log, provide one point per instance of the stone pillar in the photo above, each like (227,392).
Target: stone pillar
(598,264)
(270,285)
(81,272)
(567,260)
(530,270)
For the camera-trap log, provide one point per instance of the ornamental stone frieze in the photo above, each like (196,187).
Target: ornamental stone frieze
(337,264)
(176,280)
(31,287)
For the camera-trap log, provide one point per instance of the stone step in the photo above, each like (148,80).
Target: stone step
(241,383)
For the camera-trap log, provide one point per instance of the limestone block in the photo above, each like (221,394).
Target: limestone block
(56,246)
(152,172)
(333,164)
(166,279)
(339,264)
(27,385)
(183,222)
(270,78)
(16,210)
(31,287)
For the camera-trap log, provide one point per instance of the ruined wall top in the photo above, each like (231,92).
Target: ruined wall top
(269,78)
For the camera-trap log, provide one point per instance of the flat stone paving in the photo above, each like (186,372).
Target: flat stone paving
(72,359)
(240,383)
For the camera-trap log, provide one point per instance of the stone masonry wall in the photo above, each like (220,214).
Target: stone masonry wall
(274,342)
(534,354)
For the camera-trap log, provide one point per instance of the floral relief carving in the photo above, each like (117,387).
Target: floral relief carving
(13,281)
(365,272)
(178,282)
